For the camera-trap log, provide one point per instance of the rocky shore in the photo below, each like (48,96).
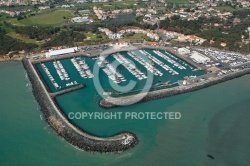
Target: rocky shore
(67,130)
(118,101)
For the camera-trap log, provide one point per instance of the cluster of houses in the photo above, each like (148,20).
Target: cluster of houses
(170,35)
(110,34)
(244,3)
(21,2)
(101,15)
(214,3)
(13,13)
(150,19)
(181,37)
(149,33)
(118,11)
(143,11)
(120,34)
(139,12)
(195,14)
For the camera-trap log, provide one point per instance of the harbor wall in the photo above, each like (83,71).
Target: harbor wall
(66,90)
(126,100)
(66,129)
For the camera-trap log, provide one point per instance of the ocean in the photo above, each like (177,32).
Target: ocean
(215,121)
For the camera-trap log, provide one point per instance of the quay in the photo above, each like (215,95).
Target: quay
(66,90)
(129,48)
(66,56)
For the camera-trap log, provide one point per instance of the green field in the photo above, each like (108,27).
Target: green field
(137,36)
(94,39)
(83,12)
(225,8)
(47,17)
(23,38)
(178,1)
(110,5)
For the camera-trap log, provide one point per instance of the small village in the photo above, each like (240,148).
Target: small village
(155,22)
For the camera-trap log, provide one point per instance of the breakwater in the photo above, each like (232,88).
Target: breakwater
(68,131)
(66,90)
(126,100)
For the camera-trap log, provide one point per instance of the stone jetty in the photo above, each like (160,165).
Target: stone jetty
(66,90)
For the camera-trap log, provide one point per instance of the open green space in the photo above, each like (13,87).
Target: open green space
(48,17)
(178,1)
(137,36)
(83,12)
(110,5)
(225,8)
(95,38)
(24,38)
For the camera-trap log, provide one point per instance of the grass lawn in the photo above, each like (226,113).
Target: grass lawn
(226,8)
(93,36)
(178,1)
(23,38)
(137,36)
(83,12)
(92,39)
(109,5)
(44,18)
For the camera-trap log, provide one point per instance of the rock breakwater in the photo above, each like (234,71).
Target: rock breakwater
(66,129)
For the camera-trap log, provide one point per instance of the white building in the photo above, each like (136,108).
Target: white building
(52,53)
(184,51)
(80,19)
(199,58)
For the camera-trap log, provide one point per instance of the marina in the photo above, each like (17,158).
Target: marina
(175,64)
(60,70)
(178,60)
(120,67)
(160,63)
(82,67)
(109,69)
(146,64)
(129,66)
(51,78)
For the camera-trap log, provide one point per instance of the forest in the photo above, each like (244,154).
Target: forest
(8,44)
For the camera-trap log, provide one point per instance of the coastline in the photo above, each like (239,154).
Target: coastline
(66,129)
(14,58)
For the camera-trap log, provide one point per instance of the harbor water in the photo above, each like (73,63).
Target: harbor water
(215,121)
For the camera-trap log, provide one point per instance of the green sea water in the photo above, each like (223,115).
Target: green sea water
(214,121)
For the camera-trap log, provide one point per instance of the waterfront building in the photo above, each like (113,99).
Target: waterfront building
(80,19)
(53,53)
(184,51)
(199,58)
